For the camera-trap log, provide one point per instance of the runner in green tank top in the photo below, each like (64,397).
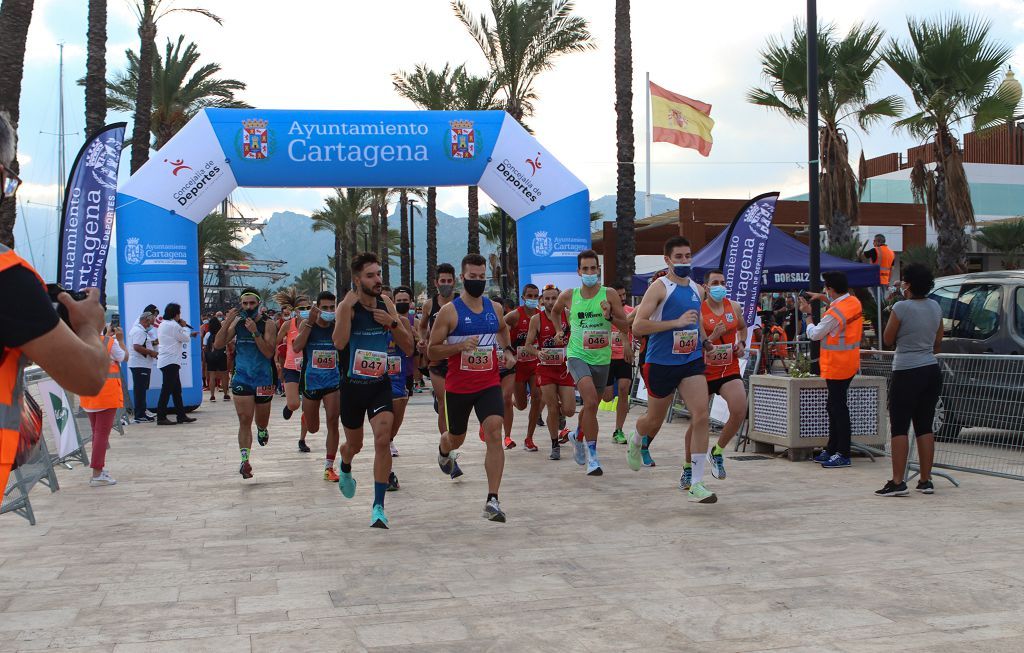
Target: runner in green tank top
(591,312)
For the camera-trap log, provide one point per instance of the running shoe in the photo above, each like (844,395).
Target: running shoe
(102,479)
(394,450)
(227,397)
(686,478)
(822,456)
(286,413)
(492,511)
(379,519)
(836,461)
(448,464)
(393,482)
(245,470)
(262,436)
(509,443)
(529,445)
(594,467)
(619,437)
(347,484)
(925,487)
(330,475)
(717,462)
(303,447)
(579,449)
(563,436)
(633,458)
(556,453)
(212,398)
(645,456)
(891,489)
(700,494)
(145,419)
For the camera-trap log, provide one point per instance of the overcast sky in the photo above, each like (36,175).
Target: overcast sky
(319,54)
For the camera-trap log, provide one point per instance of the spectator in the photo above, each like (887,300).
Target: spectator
(216,362)
(141,357)
(915,327)
(102,408)
(883,256)
(174,335)
(840,331)
(30,330)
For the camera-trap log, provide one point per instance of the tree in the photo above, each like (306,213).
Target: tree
(1007,238)
(625,190)
(381,198)
(15,16)
(339,215)
(847,71)
(218,239)
(475,94)
(951,68)
(926,255)
(178,91)
(490,230)
(308,281)
(96,68)
(149,13)
(432,90)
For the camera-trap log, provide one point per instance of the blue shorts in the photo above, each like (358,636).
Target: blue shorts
(399,387)
(662,380)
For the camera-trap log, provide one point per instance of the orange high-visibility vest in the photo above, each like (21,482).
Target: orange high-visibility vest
(840,351)
(12,364)
(112,395)
(779,351)
(886,257)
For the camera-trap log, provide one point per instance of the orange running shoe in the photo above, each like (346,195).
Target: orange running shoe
(529,445)
(330,475)
(563,436)
(509,443)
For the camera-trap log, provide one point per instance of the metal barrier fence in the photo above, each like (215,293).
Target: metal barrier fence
(979,420)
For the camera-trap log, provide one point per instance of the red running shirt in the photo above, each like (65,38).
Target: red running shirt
(720,361)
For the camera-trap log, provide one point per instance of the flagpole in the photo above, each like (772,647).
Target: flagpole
(647,143)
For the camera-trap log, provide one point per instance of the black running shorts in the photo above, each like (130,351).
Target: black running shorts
(715,385)
(359,400)
(485,402)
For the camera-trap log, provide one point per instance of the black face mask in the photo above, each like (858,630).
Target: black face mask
(402,307)
(474,287)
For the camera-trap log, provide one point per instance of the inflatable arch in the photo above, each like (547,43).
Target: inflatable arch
(221,149)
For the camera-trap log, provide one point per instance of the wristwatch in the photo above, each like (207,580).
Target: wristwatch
(394,324)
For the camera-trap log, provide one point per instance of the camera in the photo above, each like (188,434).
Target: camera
(54,290)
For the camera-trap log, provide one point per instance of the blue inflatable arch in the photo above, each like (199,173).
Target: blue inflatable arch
(222,149)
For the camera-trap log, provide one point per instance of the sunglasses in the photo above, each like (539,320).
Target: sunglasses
(9,182)
(550,286)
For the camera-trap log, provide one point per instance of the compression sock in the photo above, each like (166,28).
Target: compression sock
(698,467)
(379,490)
(346,467)
(245,454)
(716,450)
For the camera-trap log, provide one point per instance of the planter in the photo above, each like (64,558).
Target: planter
(790,412)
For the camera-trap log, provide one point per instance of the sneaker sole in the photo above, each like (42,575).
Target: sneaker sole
(931,491)
(379,524)
(596,472)
(709,499)
(894,494)
(500,517)
(457,473)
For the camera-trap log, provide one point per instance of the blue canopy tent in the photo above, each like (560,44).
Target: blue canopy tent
(786,265)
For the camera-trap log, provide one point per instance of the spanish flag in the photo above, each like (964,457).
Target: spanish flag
(681,121)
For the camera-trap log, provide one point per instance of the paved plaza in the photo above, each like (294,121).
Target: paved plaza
(183,555)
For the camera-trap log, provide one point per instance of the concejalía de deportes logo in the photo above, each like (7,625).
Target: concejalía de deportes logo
(197,183)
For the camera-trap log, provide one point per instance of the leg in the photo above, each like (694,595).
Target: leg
(291,396)
(245,408)
(925,455)
(588,414)
(519,394)
(262,413)
(380,425)
(837,400)
(507,390)
(900,446)
(622,408)
(437,383)
(494,461)
(140,385)
(536,405)
(332,408)
(101,423)
(650,422)
(175,391)
(550,394)
(736,398)
(165,391)
(694,391)
(311,415)
(566,402)
(399,404)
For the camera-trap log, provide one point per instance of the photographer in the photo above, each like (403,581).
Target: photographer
(173,334)
(30,329)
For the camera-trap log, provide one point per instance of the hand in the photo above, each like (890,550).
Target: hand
(382,317)
(421,347)
(469,344)
(820,296)
(250,325)
(559,340)
(510,359)
(230,317)
(606,310)
(738,349)
(351,299)
(84,313)
(689,318)
(717,332)
(805,307)
(118,333)
(314,315)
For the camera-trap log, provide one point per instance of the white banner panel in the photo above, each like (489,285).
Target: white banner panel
(138,295)
(58,414)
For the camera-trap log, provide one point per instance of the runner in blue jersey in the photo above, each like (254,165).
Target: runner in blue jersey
(400,370)
(320,379)
(669,315)
(253,382)
(364,320)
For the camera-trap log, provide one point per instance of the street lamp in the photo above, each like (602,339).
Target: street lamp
(412,246)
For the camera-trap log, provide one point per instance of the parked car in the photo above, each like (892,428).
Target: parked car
(982,313)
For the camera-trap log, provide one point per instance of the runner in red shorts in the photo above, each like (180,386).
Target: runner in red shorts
(515,394)
(556,384)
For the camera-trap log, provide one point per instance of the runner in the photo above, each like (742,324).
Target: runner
(360,334)
(320,378)
(291,366)
(400,366)
(670,315)
(506,374)
(514,390)
(723,323)
(592,311)
(556,385)
(620,372)
(467,333)
(253,380)
(438,370)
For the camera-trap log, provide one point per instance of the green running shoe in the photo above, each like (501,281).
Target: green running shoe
(379,519)
(686,479)
(262,436)
(633,454)
(619,437)
(700,494)
(347,484)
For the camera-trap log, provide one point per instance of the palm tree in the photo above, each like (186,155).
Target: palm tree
(625,190)
(475,94)
(15,16)
(218,239)
(379,241)
(952,69)
(432,90)
(149,13)
(179,92)
(847,71)
(339,216)
(96,68)
(926,255)
(1007,238)
(308,281)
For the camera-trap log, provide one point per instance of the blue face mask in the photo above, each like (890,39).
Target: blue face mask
(590,280)
(531,303)
(718,293)
(304,315)
(681,270)
(327,316)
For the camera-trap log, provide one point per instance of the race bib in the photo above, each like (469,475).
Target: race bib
(719,355)
(595,338)
(524,356)
(617,340)
(325,359)
(477,360)
(684,342)
(265,391)
(298,362)
(394,365)
(369,363)
(552,356)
